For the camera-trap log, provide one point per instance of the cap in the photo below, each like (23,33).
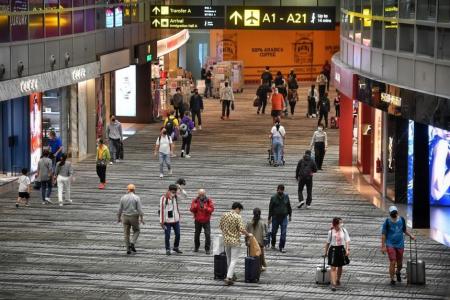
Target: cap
(173,187)
(131,187)
(392,208)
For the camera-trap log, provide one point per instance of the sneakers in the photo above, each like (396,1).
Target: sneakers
(273,248)
(170,172)
(60,204)
(173,155)
(228,281)
(333,288)
(196,250)
(43,202)
(111,163)
(182,153)
(200,127)
(195,129)
(188,156)
(129,251)
(168,252)
(101,186)
(399,277)
(263,269)
(161,175)
(301,204)
(282,250)
(17,205)
(308,206)
(48,200)
(132,247)
(117,160)
(177,250)
(208,252)
(392,282)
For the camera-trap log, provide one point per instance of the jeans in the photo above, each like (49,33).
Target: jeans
(319,154)
(101,173)
(198,229)
(322,88)
(338,110)
(323,114)
(226,107)
(198,115)
(263,104)
(308,181)
(176,229)
(63,186)
(128,223)
(208,88)
(276,222)
(278,152)
(232,257)
(46,189)
(164,158)
(292,105)
(186,145)
(114,146)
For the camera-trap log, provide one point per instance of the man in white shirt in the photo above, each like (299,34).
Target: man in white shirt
(164,147)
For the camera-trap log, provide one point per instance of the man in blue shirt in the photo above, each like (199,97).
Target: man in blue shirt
(393,242)
(56,147)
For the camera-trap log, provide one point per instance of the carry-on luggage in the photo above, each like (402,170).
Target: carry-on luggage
(252,268)
(120,150)
(415,269)
(323,273)
(334,122)
(220,266)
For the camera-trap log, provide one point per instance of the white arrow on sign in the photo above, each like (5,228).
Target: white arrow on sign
(235,16)
(156,10)
(156,22)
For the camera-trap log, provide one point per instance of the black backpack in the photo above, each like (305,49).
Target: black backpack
(305,169)
(170,125)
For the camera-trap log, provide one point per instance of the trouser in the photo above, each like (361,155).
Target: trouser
(262,258)
(322,88)
(338,110)
(226,107)
(263,104)
(208,88)
(178,112)
(278,152)
(323,114)
(176,229)
(101,173)
(328,83)
(164,158)
(292,105)
(63,186)
(46,189)
(207,230)
(279,222)
(114,145)
(198,115)
(128,223)
(186,145)
(232,258)
(308,181)
(311,106)
(319,153)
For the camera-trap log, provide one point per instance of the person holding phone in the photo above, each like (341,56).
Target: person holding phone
(169,217)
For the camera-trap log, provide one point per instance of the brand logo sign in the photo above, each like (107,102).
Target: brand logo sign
(28,86)
(391,99)
(79,74)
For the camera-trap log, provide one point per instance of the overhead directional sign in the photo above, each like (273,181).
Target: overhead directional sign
(187,17)
(280,17)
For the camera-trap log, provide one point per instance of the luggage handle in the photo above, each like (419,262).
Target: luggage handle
(415,249)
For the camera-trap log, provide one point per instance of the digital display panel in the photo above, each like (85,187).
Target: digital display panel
(109,12)
(410,188)
(125,81)
(35,131)
(118,16)
(439,158)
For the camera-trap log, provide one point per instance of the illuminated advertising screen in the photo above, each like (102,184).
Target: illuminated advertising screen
(126,92)
(410,161)
(439,158)
(109,18)
(35,131)
(118,16)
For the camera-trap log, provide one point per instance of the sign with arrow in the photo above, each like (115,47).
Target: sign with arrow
(187,17)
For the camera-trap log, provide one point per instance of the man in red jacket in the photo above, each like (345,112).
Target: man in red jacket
(202,207)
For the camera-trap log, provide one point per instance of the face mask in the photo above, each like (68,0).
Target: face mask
(173,194)
(164,132)
(280,193)
(393,214)
(113,120)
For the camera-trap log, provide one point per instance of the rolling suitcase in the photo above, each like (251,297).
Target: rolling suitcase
(415,269)
(252,268)
(220,266)
(323,273)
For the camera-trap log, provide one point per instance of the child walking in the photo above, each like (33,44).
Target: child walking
(24,189)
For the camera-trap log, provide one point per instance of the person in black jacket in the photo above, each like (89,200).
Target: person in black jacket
(196,105)
(306,167)
(262,93)
(266,77)
(279,210)
(323,106)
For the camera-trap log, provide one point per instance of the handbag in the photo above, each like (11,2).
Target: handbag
(232,105)
(346,260)
(256,102)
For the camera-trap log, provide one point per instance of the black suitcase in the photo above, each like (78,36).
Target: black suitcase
(415,269)
(220,266)
(252,268)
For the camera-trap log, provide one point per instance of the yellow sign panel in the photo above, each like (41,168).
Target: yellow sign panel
(251,17)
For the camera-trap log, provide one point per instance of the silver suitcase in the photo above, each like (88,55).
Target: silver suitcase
(323,273)
(415,269)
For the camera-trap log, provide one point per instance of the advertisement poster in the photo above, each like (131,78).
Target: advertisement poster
(118,16)
(126,92)
(35,131)
(109,18)
(439,158)
(410,161)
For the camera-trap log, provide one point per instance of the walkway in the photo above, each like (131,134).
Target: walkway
(76,252)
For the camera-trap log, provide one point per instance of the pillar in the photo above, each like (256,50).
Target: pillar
(346,132)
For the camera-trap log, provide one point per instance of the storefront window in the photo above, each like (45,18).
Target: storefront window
(443,43)
(78,21)
(36,24)
(377,7)
(377,34)
(390,35)
(19,24)
(426,10)
(425,40)
(90,19)
(406,38)
(51,114)
(407,9)
(444,11)
(65,21)
(4,21)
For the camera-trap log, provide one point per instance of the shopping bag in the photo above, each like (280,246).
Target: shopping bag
(218,244)
(254,249)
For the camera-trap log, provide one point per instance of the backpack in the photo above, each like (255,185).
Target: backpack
(323,105)
(266,76)
(170,125)
(184,130)
(403,225)
(305,169)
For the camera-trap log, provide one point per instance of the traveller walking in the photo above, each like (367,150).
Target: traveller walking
(324,107)
(115,137)
(337,249)
(177,102)
(102,158)
(277,137)
(292,93)
(227,97)
(186,128)
(292,75)
(172,127)
(393,242)
(266,77)
(279,211)
(280,84)
(202,208)
(263,93)
(313,95)
(169,217)
(232,227)
(337,104)
(56,148)
(322,82)
(63,176)
(306,167)
(319,143)
(164,149)
(130,211)
(203,73)
(196,105)
(277,104)
(208,83)
(24,188)
(44,176)
(326,70)
(259,230)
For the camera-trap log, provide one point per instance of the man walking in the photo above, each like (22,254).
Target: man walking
(323,106)
(266,77)
(306,167)
(130,210)
(202,208)
(232,227)
(164,147)
(263,93)
(56,148)
(44,176)
(393,242)
(177,102)
(226,97)
(208,83)
(169,217)
(115,137)
(279,210)
(196,105)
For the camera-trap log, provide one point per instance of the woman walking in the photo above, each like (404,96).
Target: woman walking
(63,175)
(319,142)
(226,97)
(186,128)
(102,159)
(337,249)
(259,231)
(277,136)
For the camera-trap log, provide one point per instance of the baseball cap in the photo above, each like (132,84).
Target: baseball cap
(392,208)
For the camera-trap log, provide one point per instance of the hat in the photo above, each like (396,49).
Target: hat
(392,208)
(173,187)
(131,187)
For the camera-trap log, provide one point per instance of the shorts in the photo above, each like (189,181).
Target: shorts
(275,113)
(395,254)
(25,195)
